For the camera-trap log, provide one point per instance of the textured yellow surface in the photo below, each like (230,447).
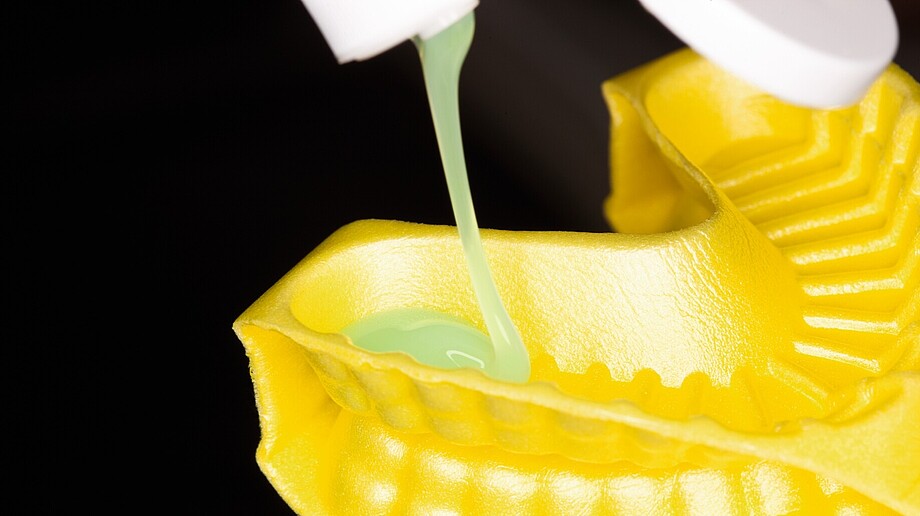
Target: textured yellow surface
(746,343)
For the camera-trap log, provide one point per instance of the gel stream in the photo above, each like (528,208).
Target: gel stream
(432,337)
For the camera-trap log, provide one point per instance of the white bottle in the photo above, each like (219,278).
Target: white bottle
(361,29)
(816,53)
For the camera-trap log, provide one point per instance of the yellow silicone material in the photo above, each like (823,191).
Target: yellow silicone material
(747,343)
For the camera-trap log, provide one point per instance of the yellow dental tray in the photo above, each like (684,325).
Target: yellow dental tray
(747,342)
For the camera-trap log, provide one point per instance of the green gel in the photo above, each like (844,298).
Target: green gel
(431,337)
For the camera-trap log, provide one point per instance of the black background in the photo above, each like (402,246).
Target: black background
(189,155)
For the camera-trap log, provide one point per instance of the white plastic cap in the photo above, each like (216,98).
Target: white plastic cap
(361,29)
(816,53)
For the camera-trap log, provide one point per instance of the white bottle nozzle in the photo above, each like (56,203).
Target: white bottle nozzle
(817,53)
(361,29)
